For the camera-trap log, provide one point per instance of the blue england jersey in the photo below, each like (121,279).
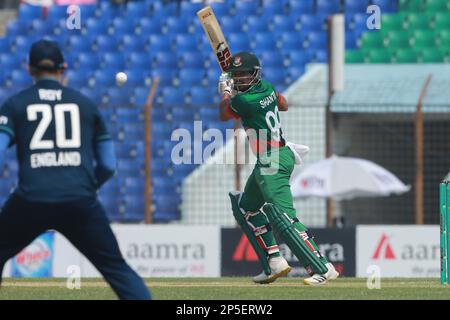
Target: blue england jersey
(55,129)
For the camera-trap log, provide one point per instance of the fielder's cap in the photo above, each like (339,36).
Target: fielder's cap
(243,61)
(46,55)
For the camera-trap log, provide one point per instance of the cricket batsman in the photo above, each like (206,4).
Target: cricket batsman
(266,205)
(60,134)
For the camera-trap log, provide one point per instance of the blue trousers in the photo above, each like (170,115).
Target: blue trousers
(84,224)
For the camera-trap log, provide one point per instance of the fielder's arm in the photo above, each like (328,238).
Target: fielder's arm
(106,161)
(5,140)
(282,102)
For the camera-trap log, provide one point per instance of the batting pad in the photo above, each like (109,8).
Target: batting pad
(238,214)
(283,226)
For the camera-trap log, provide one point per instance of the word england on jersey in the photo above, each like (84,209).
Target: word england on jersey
(47,114)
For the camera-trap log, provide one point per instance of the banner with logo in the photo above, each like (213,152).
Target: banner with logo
(151,250)
(36,260)
(239,258)
(167,251)
(398,251)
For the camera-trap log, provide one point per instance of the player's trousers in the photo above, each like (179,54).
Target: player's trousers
(269,182)
(84,223)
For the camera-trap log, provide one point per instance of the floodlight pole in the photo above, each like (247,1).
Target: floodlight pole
(419,137)
(148,196)
(336,54)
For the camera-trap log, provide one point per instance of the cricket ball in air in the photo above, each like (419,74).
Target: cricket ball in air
(121,78)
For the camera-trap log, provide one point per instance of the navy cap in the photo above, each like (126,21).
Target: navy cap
(46,55)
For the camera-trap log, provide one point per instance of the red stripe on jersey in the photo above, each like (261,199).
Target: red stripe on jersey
(260,146)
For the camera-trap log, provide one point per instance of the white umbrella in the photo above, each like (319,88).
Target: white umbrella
(343,178)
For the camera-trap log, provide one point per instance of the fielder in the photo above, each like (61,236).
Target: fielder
(59,135)
(266,203)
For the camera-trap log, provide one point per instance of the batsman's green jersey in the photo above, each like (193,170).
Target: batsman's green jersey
(259,114)
(269,181)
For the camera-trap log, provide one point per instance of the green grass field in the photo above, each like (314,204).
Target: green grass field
(230,289)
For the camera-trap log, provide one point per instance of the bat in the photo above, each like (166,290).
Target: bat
(223,55)
(215,36)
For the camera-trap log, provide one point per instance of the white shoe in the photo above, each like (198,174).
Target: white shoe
(279,268)
(321,279)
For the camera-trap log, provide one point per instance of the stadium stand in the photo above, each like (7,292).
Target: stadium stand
(154,38)
(416,33)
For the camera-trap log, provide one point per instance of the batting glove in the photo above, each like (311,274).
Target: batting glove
(225,84)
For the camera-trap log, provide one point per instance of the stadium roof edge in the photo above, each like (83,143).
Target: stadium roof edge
(387,88)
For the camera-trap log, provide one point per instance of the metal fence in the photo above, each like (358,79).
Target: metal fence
(375,119)
(205,192)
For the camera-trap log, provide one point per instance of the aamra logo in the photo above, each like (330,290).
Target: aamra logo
(244,251)
(384,249)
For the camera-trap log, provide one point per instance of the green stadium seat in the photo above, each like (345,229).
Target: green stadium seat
(444,38)
(418,21)
(436,5)
(432,55)
(406,56)
(372,40)
(379,56)
(354,56)
(424,38)
(410,5)
(442,20)
(398,39)
(391,22)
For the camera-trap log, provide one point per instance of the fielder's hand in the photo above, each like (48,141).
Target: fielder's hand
(225,84)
